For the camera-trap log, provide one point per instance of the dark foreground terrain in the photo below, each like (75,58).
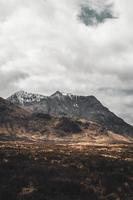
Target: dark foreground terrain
(53,171)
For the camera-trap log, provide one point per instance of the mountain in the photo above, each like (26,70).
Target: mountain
(72,106)
(17,123)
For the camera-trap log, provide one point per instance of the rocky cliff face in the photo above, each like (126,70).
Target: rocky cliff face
(72,106)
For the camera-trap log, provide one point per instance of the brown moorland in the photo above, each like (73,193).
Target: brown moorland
(58,170)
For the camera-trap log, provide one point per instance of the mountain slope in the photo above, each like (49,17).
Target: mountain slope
(17,122)
(68,105)
(9,110)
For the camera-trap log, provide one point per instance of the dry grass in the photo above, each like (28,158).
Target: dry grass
(65,171)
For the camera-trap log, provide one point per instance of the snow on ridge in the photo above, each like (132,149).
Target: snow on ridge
(23,97)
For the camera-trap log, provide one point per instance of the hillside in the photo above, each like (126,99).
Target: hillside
(72,106)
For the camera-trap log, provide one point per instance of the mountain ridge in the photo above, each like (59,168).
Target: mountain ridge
(16,122)
(72,106)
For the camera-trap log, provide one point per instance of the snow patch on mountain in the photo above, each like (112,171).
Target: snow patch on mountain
(22,97)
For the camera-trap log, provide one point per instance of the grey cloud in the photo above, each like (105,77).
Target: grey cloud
(116,92)
(9,81)
(90,16)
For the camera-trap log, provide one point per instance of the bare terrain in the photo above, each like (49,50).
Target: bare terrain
(65,170)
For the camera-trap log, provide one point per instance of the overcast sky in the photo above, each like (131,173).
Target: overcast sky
(83,47)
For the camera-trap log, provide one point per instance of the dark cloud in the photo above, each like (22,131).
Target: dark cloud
(90,16)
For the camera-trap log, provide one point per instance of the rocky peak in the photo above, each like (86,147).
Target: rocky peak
(57,94)
(21,97)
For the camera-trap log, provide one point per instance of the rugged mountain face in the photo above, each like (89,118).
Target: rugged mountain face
(16,122)
(72,106)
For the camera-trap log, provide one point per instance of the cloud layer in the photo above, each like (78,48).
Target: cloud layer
(44,47)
